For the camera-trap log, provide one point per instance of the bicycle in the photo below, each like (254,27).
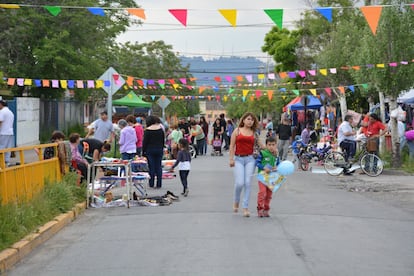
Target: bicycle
(336,163)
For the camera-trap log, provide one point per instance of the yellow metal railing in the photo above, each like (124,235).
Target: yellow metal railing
(21,181)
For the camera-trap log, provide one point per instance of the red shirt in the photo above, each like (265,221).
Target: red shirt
(244,144)
(374,128)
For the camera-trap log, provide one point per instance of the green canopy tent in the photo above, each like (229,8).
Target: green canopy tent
(132,100)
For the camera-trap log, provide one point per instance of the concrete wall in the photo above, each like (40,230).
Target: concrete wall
(27,117)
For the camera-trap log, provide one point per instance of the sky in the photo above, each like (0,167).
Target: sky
(208,33)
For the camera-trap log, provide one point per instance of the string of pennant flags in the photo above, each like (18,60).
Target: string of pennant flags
(371,13)
(249,80)
(219,93)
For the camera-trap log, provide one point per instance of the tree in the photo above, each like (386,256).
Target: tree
(393,42)
(35,44)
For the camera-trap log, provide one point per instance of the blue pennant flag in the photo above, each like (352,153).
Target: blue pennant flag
(97,11)
(326,12)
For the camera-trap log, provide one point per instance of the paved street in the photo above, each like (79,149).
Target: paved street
(317,227)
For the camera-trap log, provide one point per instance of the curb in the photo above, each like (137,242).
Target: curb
(10,256)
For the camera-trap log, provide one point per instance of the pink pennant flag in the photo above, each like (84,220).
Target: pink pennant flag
(258,94)
(271,76)
(79,84)
(218,98)
(180,15)
(332,70)
(312,72)
(20,82)
(228,78)
(249,78)
(55,84)
(404,62)
(328,91)
(393,64)
(183,80)
(302,73)
(91,84)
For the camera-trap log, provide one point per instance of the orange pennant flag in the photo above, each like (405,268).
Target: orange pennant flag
(201,89)
(283,75)
(137,12)
(209,98)
(252,98)
(356,67)
(130,80)
(11,81)
(342,89)
(270,94)
(193,79)
(239,78)
(230,16)
(372,15)
(45,83)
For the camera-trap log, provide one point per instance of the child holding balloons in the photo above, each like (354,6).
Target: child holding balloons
(266,162)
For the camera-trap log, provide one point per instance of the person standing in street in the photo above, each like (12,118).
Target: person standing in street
(224,137)
(284,132)
(242,144)
(139,131)
(184,164)
(198,134)
(204,125)
(128,138)
(103,129)
(153,149)
(6,129)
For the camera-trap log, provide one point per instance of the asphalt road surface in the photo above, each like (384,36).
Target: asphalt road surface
(317,227)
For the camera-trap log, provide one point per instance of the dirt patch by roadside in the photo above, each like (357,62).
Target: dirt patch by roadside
(394,188)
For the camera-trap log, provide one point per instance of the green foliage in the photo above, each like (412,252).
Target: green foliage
(35,44)
(394,42)
(18,220)
(281,44)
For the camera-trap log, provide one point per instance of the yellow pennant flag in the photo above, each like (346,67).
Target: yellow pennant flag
(230,16)
(225,98)
(381,65)
(324,72)
(9,6)
(99,84)
(245,92)
(260,76)
(270,94)
(176,85)
(64,84)
(27,81)
(313,91)
(284,97)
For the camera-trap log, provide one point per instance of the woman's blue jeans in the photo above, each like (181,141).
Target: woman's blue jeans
(243,174)
(154,156)
(410,145)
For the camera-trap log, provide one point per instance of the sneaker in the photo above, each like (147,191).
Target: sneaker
(260,213)
(266,213)
(186,192)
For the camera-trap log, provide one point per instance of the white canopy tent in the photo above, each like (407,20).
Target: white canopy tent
(406,97)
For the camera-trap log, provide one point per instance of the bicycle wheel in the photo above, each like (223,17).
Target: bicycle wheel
(371,164)
(334,163)
(304,163)
(192,150)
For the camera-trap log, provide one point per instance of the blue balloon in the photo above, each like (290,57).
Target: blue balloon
(286,168)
